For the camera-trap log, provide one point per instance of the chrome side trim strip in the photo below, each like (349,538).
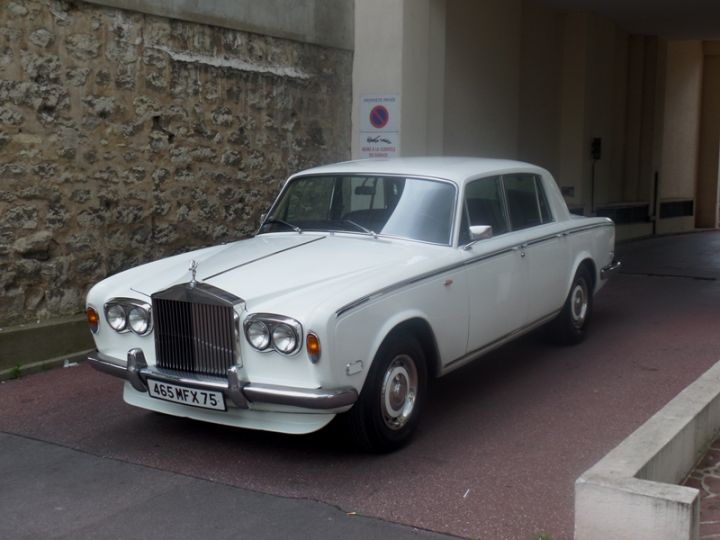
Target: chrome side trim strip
(396,286)
(584,228)
(136,371)
(472,355)
(391,288)
(263,257)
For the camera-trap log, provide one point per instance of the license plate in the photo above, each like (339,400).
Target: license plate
(205,399)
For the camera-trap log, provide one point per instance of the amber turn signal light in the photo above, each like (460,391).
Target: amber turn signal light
(92,319)
(312,345)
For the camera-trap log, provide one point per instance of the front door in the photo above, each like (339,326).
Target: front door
(496,270)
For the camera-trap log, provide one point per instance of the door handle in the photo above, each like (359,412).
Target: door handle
(521,249)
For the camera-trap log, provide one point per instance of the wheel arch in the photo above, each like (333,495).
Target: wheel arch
(584,260)
(420,329)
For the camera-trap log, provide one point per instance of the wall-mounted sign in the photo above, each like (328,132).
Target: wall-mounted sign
(379,126)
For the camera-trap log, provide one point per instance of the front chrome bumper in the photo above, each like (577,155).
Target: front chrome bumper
(609,269)
(241,393)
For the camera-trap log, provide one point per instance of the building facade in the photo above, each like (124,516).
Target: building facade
(627,122)
(134,129)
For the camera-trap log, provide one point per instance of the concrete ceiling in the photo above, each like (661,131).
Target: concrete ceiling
(673,19)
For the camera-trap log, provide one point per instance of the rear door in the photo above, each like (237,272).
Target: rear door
(544,247)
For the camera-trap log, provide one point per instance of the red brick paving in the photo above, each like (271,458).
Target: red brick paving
(503,440)
(706,478)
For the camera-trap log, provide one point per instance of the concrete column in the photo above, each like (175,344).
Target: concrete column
(574,161)
(644,120)
(681,131)
(377,64)
(682,119)
(423,76)
(482,77)
(436,77)
(540,86)
(706,214)
(400,49)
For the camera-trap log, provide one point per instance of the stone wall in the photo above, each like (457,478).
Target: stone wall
(127,137)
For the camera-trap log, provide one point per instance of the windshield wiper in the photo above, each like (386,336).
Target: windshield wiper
(357,225)
(283,222)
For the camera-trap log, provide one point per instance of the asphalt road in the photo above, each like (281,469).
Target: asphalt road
(496,456)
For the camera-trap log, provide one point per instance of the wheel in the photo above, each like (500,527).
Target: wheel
(570,326)
(387,412)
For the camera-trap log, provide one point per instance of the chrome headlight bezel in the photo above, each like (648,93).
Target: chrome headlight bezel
(128,305)
(273,323)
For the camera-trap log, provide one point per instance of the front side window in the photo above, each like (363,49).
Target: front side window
(483,206)
(412,208)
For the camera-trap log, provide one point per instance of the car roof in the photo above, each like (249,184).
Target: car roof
(456,169)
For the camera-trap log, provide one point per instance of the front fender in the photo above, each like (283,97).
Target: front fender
(440,301)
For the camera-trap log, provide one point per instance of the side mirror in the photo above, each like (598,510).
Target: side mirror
(262,218)
(480,232)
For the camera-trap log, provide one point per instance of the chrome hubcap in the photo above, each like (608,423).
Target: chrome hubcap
(579,304)
(399,391)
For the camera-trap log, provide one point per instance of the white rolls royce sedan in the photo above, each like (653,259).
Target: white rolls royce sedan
(364,280)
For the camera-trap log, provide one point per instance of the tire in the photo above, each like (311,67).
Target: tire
(388,410)
(570,326)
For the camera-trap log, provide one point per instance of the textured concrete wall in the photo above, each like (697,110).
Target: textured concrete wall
(126,137)
(323,22)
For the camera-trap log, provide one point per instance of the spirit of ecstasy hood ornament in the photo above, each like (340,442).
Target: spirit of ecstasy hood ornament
(193,270)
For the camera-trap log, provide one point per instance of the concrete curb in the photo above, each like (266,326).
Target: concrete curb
(632,493)
(67,360)
(35,346)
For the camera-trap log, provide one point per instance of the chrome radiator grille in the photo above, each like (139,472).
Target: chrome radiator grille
(194,337)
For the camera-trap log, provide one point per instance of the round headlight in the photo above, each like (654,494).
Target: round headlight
(116,317)
(258,335)
(284,338)
(139,320)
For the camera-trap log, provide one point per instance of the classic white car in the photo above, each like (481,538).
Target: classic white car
(365,279)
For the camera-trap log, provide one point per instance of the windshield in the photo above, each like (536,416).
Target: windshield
(406,207)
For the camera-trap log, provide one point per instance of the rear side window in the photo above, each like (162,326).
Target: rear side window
(526,200)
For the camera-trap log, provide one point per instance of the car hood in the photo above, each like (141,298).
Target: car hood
(296,268)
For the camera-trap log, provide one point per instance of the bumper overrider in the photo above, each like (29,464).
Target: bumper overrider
(606,271)
(241,393)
